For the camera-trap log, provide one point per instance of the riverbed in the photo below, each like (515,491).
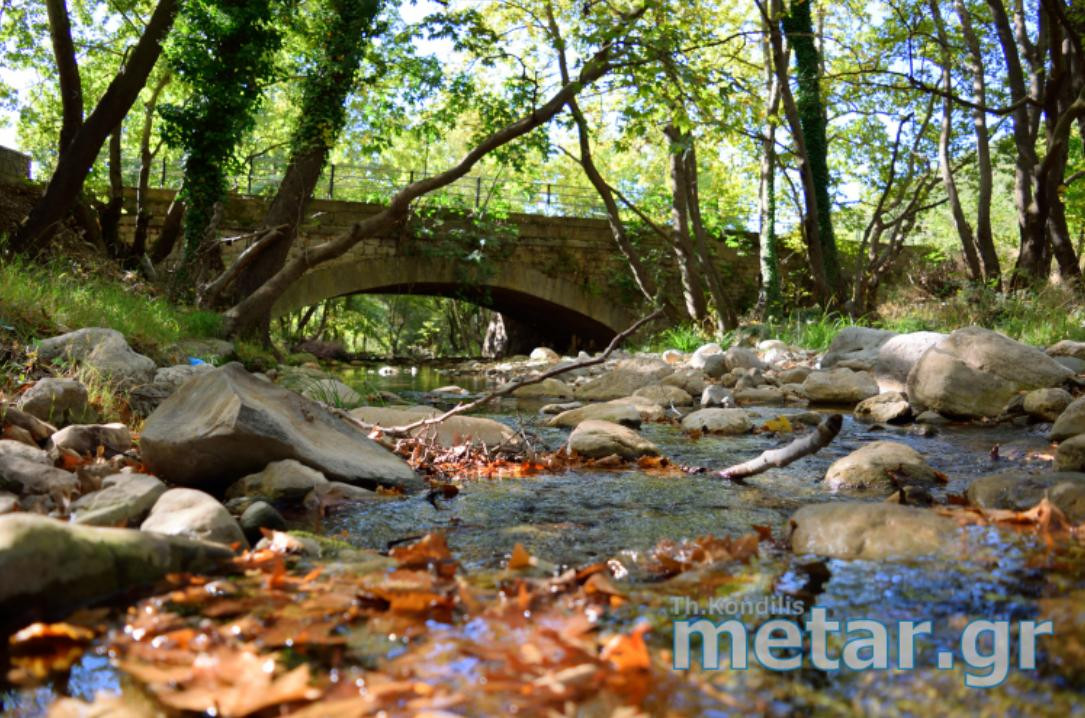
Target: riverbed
(579,517)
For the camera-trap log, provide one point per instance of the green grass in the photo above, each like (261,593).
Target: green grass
(37,301)
(1039,318)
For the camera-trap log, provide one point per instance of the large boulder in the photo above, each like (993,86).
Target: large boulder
(1070,456)
(718,421)
(123,500)
(665,395)
(648,409)
(1018,491)
(58,401)
(193,514)
(890,407)
(545,388)
(650,366)
(743,358)
(874,532)
(699,358)
(1067,348)
(839,386)
(870,466)
(286,480)
(172,377)
(858,346)
(595,439)
(691,381)
(1070,422)
(104,350)
(615,384)
(898,354)
(48,566)
(715,395)
(616,412)
(1047,404)
(544,354)
(227,423)
(450,432)
(974,372)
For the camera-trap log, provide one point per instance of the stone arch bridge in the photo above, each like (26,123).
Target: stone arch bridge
(559,279)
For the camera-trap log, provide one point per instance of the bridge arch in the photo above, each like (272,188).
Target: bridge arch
(562,313)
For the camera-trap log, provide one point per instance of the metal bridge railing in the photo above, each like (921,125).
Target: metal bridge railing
(377,184)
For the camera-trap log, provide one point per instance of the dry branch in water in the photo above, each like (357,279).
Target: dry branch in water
(813,442)
(400,431)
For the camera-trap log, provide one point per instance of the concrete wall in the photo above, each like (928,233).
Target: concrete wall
(14,165)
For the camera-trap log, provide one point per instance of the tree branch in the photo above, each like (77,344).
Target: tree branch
(400,431)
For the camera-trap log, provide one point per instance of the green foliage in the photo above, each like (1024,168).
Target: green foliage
(38,301)
(223,52)
(684,338)
(255,357)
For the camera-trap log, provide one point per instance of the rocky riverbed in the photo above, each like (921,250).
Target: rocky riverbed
(924,506)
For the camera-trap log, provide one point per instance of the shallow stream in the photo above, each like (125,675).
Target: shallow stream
(580,517)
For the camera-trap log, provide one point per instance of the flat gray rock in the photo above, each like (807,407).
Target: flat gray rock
(195,515)
(227,423)
(123,500)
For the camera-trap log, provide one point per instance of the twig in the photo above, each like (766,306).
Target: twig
(401,431)
(821,437)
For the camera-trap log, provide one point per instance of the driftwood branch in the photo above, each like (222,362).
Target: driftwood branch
(818,439)
(401,431)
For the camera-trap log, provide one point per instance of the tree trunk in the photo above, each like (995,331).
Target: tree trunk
(984,237)
(798,24)
(109,214)
(1031,264)
(170,232)
(726,317)
(641,276)
(250,314)
(71,85)
(146,157)
(810,224)
(79,155)
(768,298)
(692,288)
(960,222)
(326,86)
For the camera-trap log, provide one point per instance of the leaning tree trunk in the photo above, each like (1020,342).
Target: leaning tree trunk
(811,223)
(321,117)
(170,231)
(727,318)
(768,297)
(1032,258)
(146,157)
(960,222)
(79,154)
(109,213)
(68,77)
(688,271)
(798,25)
(985,242)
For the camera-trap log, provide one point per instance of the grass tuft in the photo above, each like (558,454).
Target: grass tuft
(38,301)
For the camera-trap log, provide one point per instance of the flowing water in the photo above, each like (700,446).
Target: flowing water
(580,517)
